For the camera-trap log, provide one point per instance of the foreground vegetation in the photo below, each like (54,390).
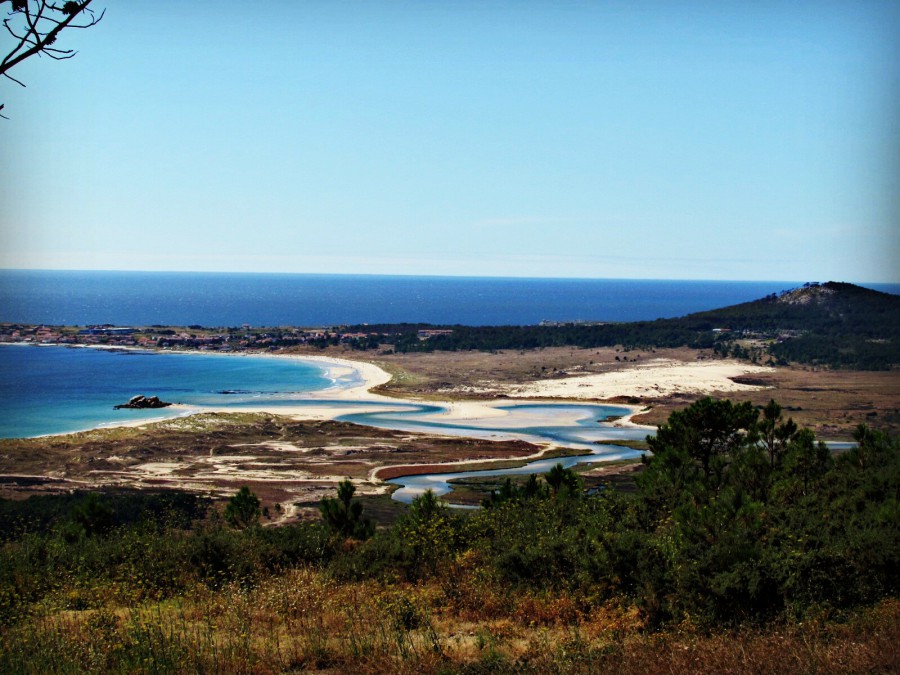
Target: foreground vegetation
(746,547)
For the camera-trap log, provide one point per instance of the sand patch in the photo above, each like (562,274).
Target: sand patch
(656,379)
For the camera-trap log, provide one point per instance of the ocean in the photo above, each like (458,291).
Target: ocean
(218,300)
(46,390)
(54,389)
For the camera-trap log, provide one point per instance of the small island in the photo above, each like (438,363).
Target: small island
(141,401)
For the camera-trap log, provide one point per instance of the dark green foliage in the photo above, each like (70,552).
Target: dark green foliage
(242,509)
(833,324)
(152,559)
(421,543)
(93,515)
(740,516)
(757,519)
(344,516)
(40,514)
(509,492)
(564,483)
(429,534)
(698,444)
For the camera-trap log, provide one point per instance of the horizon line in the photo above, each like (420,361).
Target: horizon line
(435,276)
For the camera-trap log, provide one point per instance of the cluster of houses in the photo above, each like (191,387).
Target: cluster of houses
(162,337)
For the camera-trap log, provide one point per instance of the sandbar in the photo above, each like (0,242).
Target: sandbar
(657,378)
(354,380)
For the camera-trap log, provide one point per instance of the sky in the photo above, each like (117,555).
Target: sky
(654,140)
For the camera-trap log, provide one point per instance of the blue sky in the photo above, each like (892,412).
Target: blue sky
(692,140)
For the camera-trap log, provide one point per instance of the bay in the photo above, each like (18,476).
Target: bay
(51,390)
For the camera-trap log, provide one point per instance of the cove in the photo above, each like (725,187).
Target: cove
(46,390)
(55,389)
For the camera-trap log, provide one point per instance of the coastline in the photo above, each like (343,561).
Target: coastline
(352,383)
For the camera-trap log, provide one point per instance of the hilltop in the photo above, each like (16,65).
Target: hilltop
(835,324)
(814,306)
(838,325)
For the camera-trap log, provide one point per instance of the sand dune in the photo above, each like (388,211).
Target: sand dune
(654,379)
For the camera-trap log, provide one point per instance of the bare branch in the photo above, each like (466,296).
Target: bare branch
(13,79)
(38,28)
(60,55)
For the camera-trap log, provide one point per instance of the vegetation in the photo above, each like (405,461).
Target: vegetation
(834,324)
(344,516)
(242,509)
(746,544)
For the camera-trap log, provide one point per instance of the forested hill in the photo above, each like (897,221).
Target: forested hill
(832,324)
(814,307)
(835,324)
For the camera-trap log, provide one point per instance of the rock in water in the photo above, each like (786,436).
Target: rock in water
(141,401)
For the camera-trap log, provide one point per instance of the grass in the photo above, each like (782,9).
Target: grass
(302,619)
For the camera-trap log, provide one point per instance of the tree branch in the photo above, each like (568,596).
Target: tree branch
(38,29)
(44,40)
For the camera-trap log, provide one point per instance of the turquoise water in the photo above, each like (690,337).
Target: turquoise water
(52,390)
(584,433)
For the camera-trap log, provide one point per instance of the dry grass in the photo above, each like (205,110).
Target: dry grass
(304,620)
(285,462)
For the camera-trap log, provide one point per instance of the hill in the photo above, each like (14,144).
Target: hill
(835,324)
(839,325)
(814,307)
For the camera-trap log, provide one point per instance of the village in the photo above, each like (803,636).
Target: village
(234,339)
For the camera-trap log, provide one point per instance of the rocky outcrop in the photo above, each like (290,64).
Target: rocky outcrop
(140,401)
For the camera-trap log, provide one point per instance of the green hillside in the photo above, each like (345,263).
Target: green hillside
(833,324)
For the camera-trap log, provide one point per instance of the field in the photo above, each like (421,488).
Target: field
(304,621)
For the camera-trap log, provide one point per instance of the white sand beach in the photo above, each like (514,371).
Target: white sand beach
(655,379)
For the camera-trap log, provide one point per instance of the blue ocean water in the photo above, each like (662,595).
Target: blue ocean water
(55,389)
(144,298)
(49,390)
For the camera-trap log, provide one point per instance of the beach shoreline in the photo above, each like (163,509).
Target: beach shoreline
(353,382)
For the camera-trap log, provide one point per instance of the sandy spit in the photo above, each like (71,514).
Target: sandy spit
(655,379)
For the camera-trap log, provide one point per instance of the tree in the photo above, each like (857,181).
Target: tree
(344,516)
(94,515)
(774,433)
(563,481)
(35,26)
(243,509)
(704,438)
(428,533)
